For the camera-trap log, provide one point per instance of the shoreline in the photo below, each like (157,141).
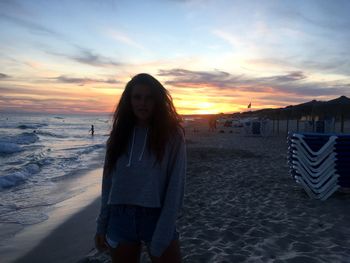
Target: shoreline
(24,244)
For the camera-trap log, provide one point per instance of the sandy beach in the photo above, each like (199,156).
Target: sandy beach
(241,205)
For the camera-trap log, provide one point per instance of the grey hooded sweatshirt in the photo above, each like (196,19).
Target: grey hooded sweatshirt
(138,179)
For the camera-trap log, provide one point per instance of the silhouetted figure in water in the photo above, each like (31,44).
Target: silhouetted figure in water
(92,130)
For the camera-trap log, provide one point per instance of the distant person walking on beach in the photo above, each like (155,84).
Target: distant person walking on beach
(92,130)
(143,176)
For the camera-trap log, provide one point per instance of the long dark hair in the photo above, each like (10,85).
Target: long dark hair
(164,121)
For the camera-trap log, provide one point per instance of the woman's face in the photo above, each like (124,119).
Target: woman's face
(142,103)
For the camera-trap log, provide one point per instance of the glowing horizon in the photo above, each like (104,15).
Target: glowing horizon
(213,56)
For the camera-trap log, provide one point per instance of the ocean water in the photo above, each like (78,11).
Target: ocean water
(37,153)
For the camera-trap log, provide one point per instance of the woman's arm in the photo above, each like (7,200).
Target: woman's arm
(173,198)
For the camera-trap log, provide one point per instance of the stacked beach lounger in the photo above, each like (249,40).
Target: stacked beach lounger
(319,162)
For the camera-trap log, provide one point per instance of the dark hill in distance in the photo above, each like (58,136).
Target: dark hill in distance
(338,108)
(324,109)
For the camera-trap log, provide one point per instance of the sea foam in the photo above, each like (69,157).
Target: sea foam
(19,176)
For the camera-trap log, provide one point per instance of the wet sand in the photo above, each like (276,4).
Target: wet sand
(69,242)
(66,234)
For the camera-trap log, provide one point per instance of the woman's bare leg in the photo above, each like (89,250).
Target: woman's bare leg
(126,253)
(171,255)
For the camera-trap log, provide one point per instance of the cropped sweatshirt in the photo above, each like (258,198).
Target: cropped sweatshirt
(139,179)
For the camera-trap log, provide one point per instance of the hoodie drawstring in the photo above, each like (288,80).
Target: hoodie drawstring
(144,145)
(132,147)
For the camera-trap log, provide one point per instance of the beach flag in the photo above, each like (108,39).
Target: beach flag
(249,105)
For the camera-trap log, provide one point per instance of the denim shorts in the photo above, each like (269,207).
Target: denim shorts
(130,224)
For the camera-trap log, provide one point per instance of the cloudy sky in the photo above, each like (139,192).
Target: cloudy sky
(213,56)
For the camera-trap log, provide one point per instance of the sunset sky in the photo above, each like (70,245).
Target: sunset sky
(71,56)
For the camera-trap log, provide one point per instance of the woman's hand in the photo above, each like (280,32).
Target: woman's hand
(100,242)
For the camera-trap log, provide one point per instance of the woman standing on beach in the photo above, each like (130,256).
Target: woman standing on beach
(143,176)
